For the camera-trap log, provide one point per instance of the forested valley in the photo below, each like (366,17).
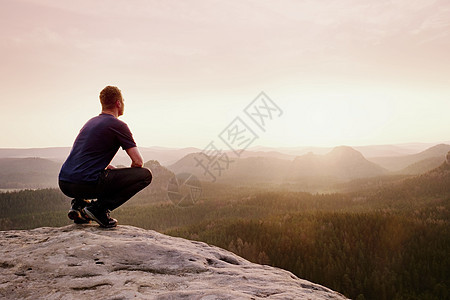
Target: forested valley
(390,241)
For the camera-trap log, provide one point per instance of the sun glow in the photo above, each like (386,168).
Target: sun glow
(343,74)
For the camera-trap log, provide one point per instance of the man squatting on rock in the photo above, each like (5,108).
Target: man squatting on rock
(87,173)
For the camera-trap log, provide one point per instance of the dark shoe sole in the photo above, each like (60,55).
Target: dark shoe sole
(77,218)
(93,217)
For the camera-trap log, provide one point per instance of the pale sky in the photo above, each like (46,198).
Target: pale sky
(344,72)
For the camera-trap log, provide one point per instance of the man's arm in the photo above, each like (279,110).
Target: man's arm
(136,158)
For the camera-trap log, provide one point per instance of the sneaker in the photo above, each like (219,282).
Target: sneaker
(76,211)
(101,216)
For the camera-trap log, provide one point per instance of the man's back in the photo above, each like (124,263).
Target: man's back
(95,147)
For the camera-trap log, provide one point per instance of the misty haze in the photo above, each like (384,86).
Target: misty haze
(225,149)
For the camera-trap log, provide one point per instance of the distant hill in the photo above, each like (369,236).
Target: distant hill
(158,187)
(168,156)
(163,155)
(434,183)
(342,162)
(236,170)
(397,163)
(293,151)
(422,166)
(271,154)
(59,154)
(257,166)
(389,150)
(366,151)
(29,172)
(52,153)
(33,172)
(262,169)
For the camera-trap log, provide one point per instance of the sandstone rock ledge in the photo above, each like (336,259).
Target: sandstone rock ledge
(87,262)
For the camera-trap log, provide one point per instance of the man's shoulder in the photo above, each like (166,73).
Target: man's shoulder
(103,121)
(108,119)
(115,124)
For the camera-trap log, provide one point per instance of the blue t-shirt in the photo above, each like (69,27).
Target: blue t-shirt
(95,147)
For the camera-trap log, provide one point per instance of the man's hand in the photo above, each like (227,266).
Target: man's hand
(136,158)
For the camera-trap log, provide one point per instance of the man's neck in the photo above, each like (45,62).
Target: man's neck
(111,112)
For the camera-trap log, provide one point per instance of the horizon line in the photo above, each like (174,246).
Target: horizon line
(253,147)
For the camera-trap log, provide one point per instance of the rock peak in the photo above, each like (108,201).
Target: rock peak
(345,151)
(88,262)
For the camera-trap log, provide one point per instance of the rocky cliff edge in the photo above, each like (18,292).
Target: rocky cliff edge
(88,262)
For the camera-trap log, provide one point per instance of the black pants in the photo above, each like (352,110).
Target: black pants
(113,188)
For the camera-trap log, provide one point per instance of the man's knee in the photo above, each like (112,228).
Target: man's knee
(147,176)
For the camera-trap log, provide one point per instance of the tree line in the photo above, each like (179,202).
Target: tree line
(389,242)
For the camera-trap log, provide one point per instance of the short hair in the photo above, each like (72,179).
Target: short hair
(109,96)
